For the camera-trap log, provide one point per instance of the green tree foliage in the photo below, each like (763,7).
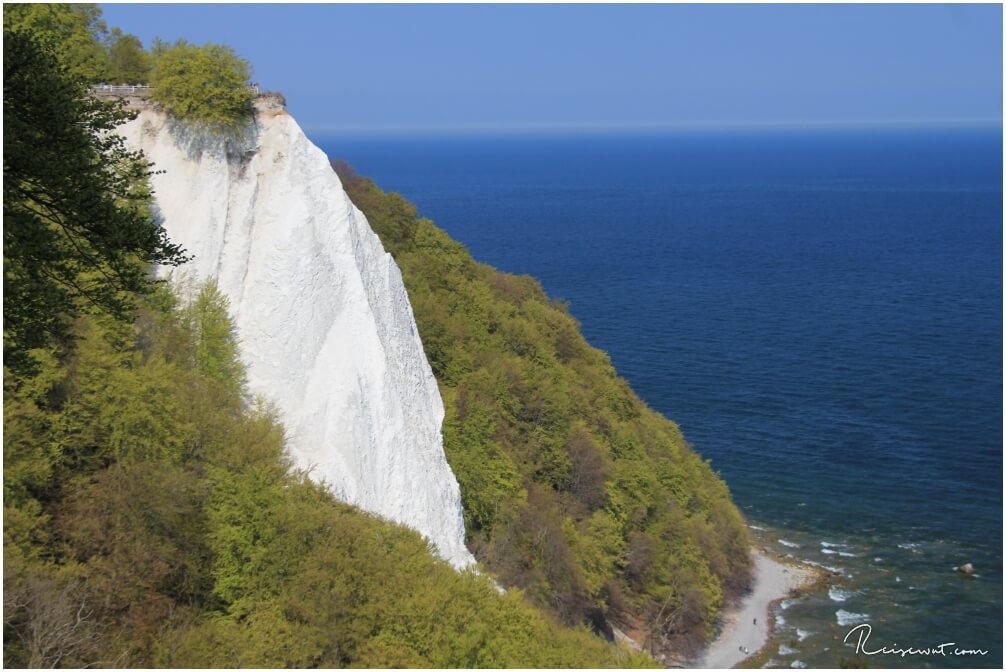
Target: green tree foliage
(82,41)
(213,338)
(128,63)
(178,535)
(75,31)
(206,85)
(76,223)
(573,490)
(151,517)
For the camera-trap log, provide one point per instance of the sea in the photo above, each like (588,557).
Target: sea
(820,310)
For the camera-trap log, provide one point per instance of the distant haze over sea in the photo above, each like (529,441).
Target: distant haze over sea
(488,130)
(820,311)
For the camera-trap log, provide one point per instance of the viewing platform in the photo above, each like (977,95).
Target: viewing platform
(137,96)
(142,90)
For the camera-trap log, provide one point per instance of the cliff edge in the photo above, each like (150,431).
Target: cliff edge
(325,325)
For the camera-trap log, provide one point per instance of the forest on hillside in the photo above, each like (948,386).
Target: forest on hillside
(572,488)
(152,517)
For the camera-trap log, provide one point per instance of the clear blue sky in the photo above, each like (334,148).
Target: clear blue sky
(452,66)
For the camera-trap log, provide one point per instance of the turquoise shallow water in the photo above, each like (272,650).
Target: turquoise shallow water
(821,312)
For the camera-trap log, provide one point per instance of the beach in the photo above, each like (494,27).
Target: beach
(746,626)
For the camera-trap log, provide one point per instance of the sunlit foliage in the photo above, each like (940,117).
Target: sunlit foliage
(75,31)
(77,227)
(128,63)
(151,519)
(573,490)
(204,85)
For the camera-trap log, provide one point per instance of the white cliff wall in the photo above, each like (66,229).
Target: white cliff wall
(326,329)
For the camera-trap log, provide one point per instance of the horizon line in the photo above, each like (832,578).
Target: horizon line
(679,126)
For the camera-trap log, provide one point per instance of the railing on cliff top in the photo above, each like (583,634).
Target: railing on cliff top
(141,89)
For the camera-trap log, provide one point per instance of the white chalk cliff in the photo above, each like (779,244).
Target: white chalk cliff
(325,326)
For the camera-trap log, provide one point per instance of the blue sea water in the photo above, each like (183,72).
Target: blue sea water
(820,311)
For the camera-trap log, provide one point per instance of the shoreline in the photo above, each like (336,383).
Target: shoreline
(748,625)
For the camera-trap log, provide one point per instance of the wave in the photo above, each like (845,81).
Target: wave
(798,664)
(833,544)
(850,618)
(833,570)
(839,595)
(756,527)
(844,554)
(802,634)
(786,604)
(786,651)
(790,544)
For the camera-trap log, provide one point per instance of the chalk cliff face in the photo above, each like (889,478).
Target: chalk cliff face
(325,326)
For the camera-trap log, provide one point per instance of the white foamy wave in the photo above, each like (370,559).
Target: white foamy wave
(844,554)
(785,650)
(780,620)
(839,595)
(789,543)
(878,559)
(897,579)
(833,544)
(833,570)
(910,547)
(798,664)
(850,618)
(786,604)
(756,527)
(802,634)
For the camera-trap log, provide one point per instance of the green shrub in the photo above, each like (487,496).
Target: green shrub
(206,85)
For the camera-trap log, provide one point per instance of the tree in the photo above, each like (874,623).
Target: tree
(587,471)
(572,489)
(77,227)
(214,338)
(51,618)
(127,61)
(207,84)
(76,31)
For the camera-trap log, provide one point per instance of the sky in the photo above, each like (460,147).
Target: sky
(453,67)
